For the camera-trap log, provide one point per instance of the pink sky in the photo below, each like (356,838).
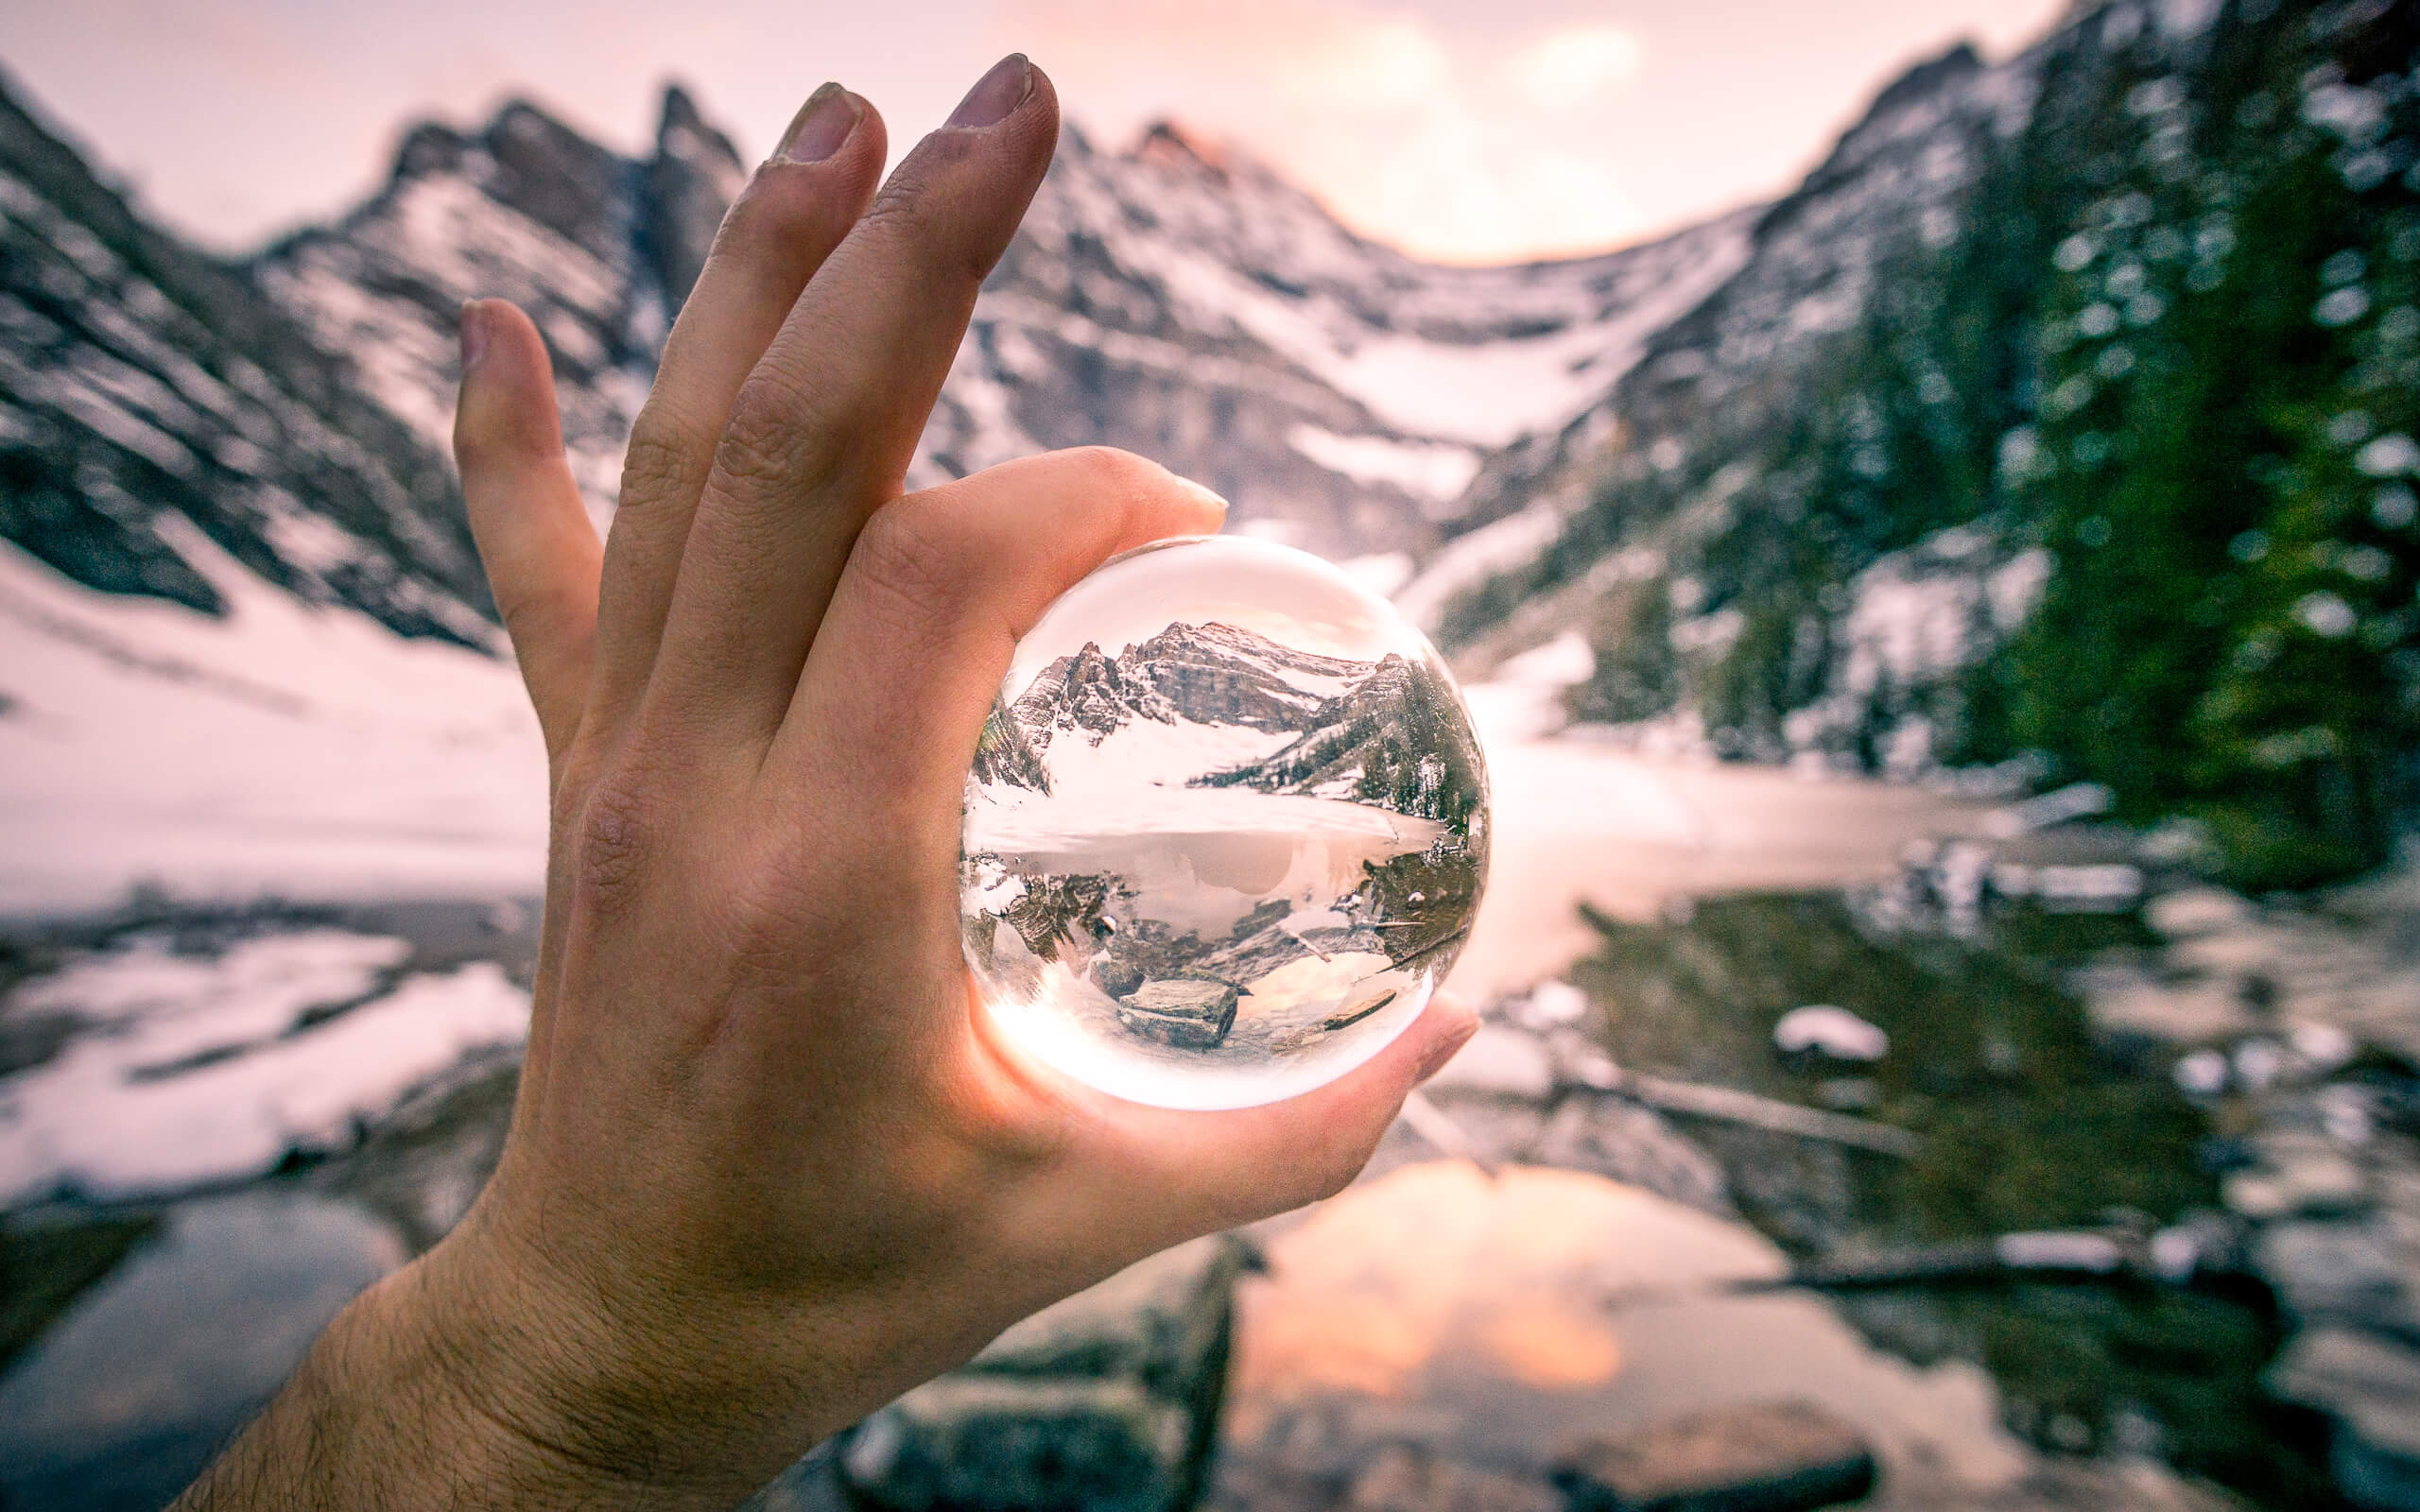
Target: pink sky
(1458,131)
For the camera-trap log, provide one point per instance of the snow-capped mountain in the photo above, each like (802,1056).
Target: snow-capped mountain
(1206,674)
(156,405)
(1784,472)
(599,248)
(1188,303)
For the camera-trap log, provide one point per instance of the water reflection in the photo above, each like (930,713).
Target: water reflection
(121,1401)
(1499,1320)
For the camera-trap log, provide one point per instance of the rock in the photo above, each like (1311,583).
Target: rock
(1553,1005)
(2371,1387)
(2194,911)
(1764,1457)
(1633,1145)
(1407,1479)
(1115,977)
(2303,1176)
(1828,1031)
(1191,1013)
(1001,1444)
(2076,801)
(2332,1269)
(2202,1074)
(1104,1402)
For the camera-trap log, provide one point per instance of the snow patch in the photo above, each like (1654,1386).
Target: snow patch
(205,1070)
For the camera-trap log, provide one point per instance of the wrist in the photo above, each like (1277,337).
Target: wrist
(491,1359)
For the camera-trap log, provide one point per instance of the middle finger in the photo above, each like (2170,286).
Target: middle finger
(823,431)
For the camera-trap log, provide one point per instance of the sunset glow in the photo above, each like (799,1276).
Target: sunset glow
(1457,131)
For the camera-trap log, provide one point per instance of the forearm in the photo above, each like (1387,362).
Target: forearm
(383,1415)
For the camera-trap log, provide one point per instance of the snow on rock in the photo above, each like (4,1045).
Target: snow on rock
(1829,1031)
(1432,470)
(194,1070)
(1471,559)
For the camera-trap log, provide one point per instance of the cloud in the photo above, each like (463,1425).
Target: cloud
(1454,143)
(1568,68)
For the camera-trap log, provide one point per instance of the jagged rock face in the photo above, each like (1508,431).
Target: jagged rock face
(1089,691)
(600,250)
(1215,674)
(159,415)
(1192,306)
(292,412)
(1197,674)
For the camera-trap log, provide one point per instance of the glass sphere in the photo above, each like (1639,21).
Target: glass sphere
(1225,829)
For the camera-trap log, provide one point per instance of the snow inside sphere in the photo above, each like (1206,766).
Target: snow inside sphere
(1225,829)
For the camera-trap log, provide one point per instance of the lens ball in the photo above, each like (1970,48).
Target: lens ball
(1225,829)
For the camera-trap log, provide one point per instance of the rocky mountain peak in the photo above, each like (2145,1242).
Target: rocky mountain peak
(1166,144)
(694,173)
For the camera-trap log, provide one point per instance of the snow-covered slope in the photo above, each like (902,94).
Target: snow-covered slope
(1188,303)
(144,385)
(277,747)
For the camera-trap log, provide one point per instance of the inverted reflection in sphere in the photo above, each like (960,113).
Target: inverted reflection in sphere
(1225,829)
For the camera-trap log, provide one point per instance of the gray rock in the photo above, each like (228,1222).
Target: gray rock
(1404,1479)
(2308,1179)
(1764,1457)
(973,1441)
(1105,1403)
(1188,1012)
(2371,1387)
(2340,1270)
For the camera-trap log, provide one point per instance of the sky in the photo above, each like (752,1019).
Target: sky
(1466,132)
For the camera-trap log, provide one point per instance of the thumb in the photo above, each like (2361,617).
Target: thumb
(533,533)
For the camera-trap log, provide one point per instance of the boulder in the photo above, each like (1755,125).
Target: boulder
(1191,1013)
(1105,1403)
(2332,1270)
(2371,1386)
(1404,1479)
(1777,1456)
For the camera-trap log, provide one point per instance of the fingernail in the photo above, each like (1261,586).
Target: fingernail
(821,126)
(1445,1050)
(472,328)
(995,94)
(1204,495)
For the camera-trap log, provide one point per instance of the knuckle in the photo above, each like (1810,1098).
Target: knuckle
(915,213)
(535,617)
(767,443)
(657,461)
(906,559)
(613,836)
(1117,476)
(771,208)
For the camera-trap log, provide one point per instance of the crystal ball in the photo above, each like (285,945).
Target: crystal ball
(1225,829)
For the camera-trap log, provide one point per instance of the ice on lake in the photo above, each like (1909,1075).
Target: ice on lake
(1225,831)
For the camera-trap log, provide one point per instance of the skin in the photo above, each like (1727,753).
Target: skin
(768,1166)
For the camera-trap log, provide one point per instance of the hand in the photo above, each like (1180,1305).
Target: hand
(768,1166)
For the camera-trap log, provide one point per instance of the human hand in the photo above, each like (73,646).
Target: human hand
(769,1166)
